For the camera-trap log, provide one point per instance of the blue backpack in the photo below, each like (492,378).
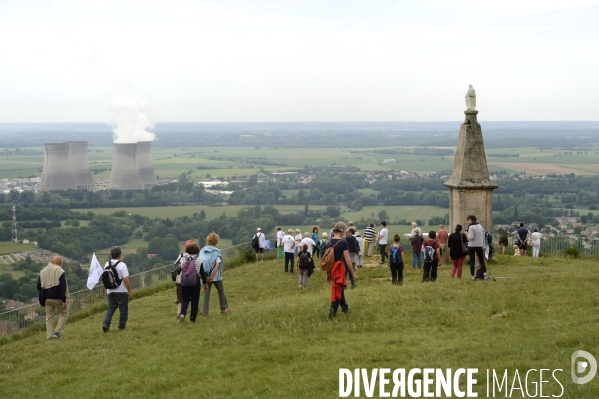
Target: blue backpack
(323,246)
(429,252)
(395,257)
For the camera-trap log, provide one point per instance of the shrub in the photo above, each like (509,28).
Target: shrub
(571,251)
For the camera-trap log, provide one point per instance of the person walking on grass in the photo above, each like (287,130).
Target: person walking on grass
(369,234)
(212,267)
(502,239)
(442,236)
(315,240)
(536,243)
(523,234)
(476,238)
(416,242)
(432,257)
(396,263)
(280,235)
(190,282)
(307,240)
(337,276)
(359,255)
(288,245)
(120,296)
(178,286)
(383,236)
(259,252)
(455,244)
(353,249)
(298,239)
(304,263)
(53,294)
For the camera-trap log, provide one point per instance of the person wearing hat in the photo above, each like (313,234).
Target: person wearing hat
(259,252)
(288,245)
(298,239)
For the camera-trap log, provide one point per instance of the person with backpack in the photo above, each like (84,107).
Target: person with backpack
(176,277)
(118,289)
(190,282)
(476,238)
(396,261)
(258,244)
(416,242)
(212,268)
(305,263)
(432,256)
(457,244)
(338,272)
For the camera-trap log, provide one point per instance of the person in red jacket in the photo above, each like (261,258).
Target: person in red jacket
(337,274)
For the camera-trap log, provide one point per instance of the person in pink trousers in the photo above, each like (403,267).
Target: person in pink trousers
(456,252)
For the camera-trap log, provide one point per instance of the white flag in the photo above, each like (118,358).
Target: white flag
(95,271)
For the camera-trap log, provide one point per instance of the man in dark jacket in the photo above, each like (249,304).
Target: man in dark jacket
(53,293)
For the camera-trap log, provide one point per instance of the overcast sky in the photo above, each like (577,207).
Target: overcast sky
(411,60)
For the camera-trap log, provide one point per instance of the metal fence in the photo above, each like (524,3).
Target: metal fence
(556,246)
(15,320)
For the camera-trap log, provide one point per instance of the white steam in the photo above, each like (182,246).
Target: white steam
(133,119)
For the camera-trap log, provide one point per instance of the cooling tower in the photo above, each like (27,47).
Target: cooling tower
(56,174)
(82,176)
(143,160)
(124,175)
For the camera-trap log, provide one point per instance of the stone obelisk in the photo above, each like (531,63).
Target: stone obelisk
(470,189)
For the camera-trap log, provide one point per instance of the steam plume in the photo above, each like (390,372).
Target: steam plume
(132,120)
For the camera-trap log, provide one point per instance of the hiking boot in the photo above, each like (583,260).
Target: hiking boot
(346,309)
(226,311)
(486,276)
(57,335)
(105,328)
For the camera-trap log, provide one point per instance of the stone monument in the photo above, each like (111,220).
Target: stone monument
(470,189)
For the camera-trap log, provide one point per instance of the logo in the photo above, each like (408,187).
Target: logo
(580,367)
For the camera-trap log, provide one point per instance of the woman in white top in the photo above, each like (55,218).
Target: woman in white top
(298,239)
(536,243)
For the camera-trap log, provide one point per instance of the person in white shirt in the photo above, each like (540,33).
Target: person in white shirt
(280,235)
(120,296)
(288,245)
(414,229)
(383,235)
(309,242)
(536,243)
(259,252)
(298,239)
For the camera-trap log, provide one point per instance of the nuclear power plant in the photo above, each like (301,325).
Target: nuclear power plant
(66,167)
(132,166)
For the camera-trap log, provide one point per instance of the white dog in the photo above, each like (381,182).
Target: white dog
(516,250)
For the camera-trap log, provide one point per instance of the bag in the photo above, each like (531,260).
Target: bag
(189,273)
(323,246)
(395,257)
(464,247)
(176,268)
(429,253)
(110,277)
(328,259)
(479,274)
(304,260)
(256,241)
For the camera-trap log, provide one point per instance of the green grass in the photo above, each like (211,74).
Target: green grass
(7,247)
(278,343)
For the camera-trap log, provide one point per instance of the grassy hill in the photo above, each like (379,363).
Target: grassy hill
(277,342)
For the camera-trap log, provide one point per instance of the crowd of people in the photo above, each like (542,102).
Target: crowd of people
(201,269)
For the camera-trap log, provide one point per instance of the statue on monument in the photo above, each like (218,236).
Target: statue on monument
(470,99)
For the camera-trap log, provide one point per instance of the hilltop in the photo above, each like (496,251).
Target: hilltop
(277,342)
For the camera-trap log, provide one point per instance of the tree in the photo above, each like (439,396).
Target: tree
(333,211)
(383,215)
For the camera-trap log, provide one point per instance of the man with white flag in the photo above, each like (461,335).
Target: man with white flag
(95,272)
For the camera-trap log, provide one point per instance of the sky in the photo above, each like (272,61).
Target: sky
(303,60)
